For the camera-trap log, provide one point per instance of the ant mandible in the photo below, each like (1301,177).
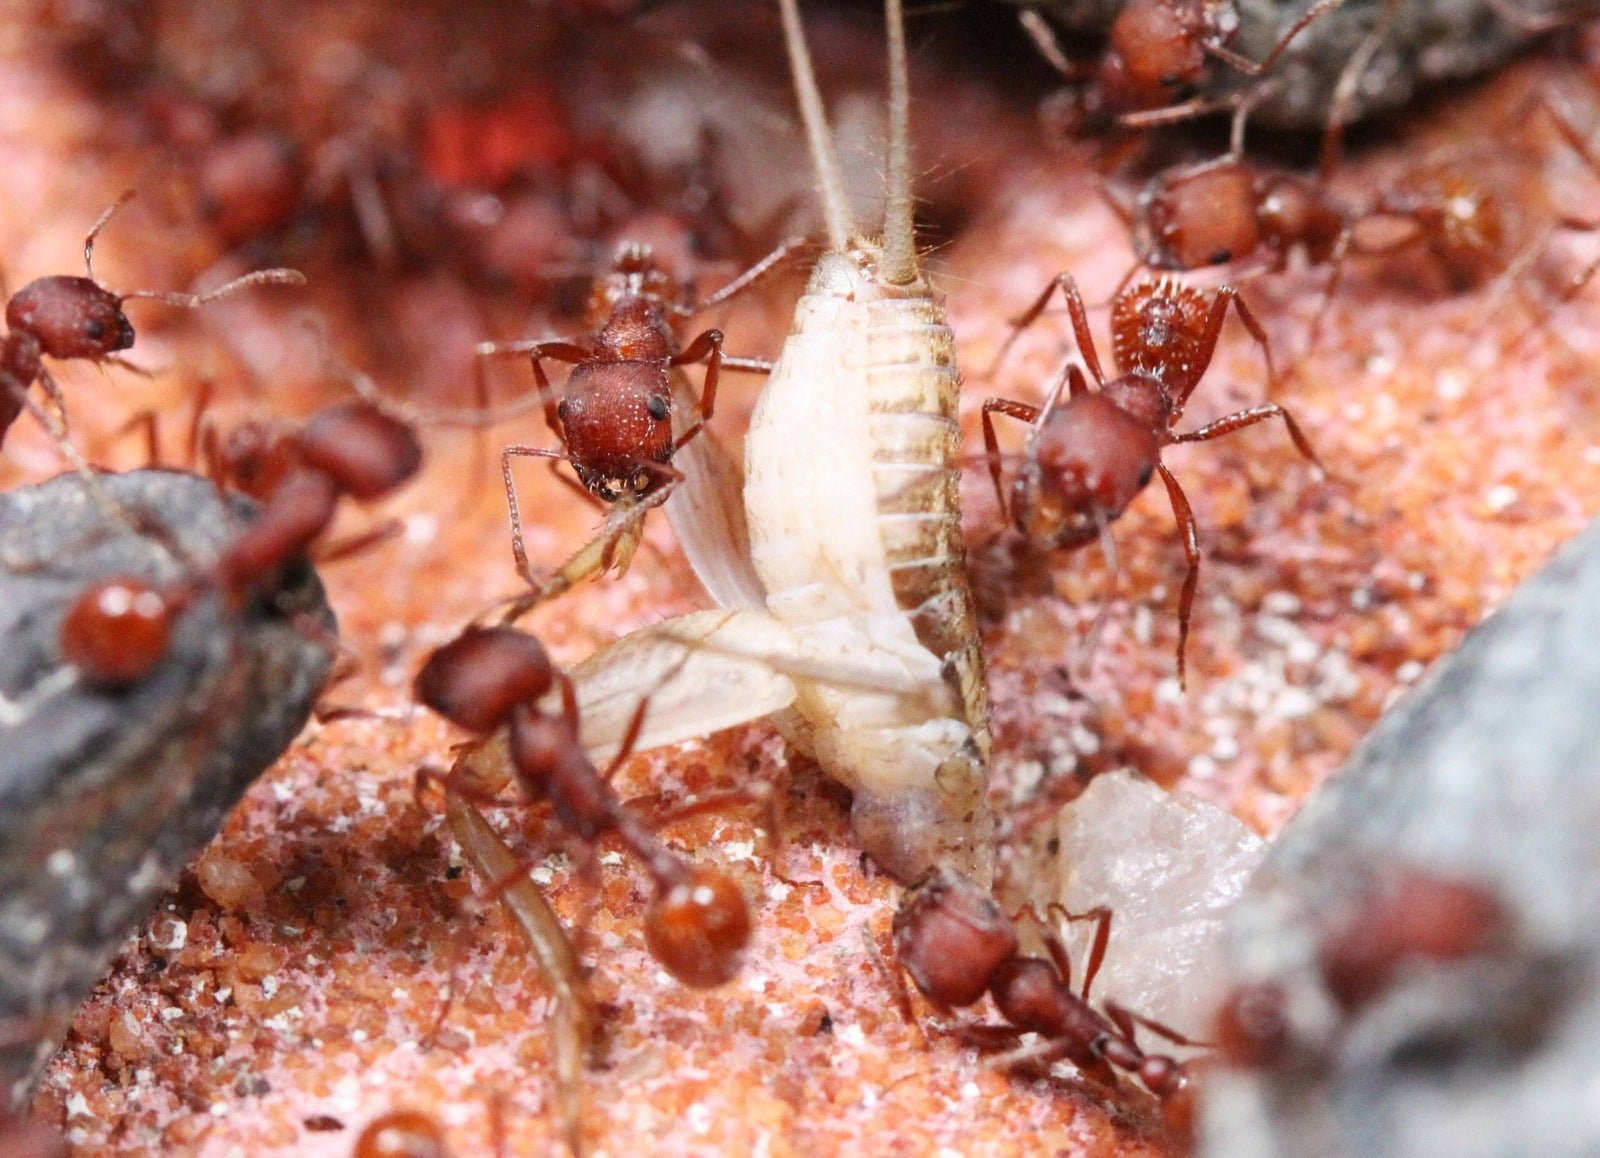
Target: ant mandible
(490,678)
(614,413)
(1089,454)
(957,944)
(69,317)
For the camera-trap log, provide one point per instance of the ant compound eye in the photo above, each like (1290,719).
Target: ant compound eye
(1145,476)
(94,331)
(658,408)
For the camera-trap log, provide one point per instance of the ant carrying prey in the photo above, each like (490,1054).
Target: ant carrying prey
(1089,454)
(614,415)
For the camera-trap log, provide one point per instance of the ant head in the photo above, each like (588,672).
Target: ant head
(950,936)
(1090,458)
(1465,226)
(697,928)
(1158,328)
(401,1134)
(366,451)
(71,317)
(1029,994)
(1206,216)
(476,679)
(1160,44)
(256,457)
(116,633)
(1252,1028)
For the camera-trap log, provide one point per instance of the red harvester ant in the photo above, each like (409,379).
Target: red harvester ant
(1157,52)
(79,318)
(957,945)
(1089,455)
(494,677)
(117,631)
(1401,918)
(614,414)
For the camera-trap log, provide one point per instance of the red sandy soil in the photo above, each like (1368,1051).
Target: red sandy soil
(291,987)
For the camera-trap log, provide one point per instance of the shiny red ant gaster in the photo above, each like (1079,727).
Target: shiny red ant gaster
(67,317)
(1089,454)
(494,677)
(614,414)
(118,630)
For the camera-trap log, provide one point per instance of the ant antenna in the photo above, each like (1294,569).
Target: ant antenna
(835,209)
(94,231)
(195,301)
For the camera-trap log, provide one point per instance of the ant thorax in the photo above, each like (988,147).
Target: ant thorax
(1157,331)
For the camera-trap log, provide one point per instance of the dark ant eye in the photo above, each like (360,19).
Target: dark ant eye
(657,406)
(561,410)
(94,330)
(1145,476)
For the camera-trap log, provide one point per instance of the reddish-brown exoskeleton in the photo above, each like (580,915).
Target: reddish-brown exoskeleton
(614,414)
(1090,453)
(957,944)
(490,678)
(1403,918)
(118,630)
(1157,52)
(67,317)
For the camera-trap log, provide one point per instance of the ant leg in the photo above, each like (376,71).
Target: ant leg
(1101,916)
(1336,259)
(1018,410)
(518,550)
(1127,1020)
(1344,89)
(708,346)
(355,544)
(204,395)
(787,248)
(56,424)
(537,349)
(1567,129)
(1208,342)
(1044,39)
(1243,418)
(1091,642)
(150,423)
(1080,325)
(1191,550)
(1255,68)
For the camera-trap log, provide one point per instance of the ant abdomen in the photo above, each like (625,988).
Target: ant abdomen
(117,632)
(698,927)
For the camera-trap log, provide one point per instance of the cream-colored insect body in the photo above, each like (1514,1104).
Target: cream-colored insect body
(851,493)
(850,620)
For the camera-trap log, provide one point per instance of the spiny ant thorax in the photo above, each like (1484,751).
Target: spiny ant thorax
(1158,331)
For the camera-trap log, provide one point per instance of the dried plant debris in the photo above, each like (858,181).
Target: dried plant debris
(1431,41)
(106,792)
(1421,945)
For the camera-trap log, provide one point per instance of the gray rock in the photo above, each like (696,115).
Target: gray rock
(1431,41)
(105,795)
(1488,772)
